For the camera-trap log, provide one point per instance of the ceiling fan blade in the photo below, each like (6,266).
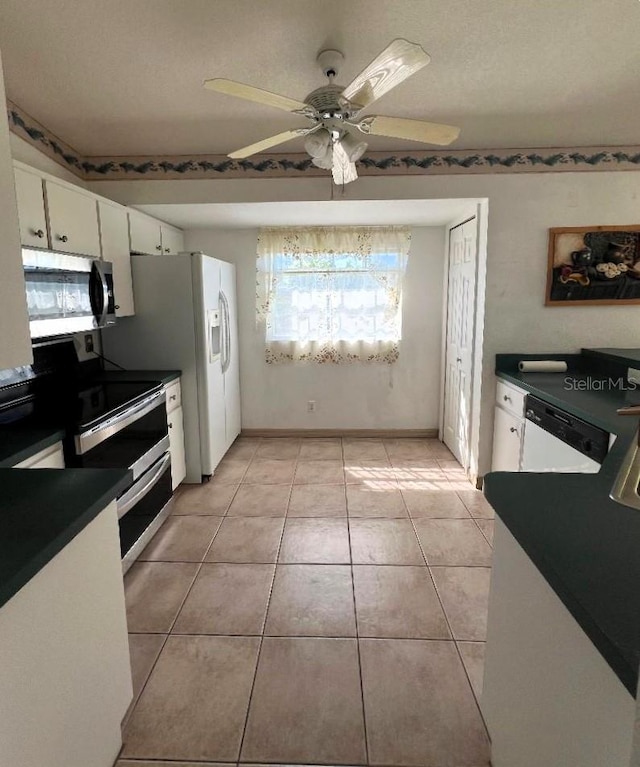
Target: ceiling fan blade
(414,130)
(399,60)
(343,170)
(248,92)
(267,143)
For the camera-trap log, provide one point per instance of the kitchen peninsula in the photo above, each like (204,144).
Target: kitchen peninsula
(65,682)
(563,641)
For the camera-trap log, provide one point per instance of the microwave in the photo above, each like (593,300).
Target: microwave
(67,294)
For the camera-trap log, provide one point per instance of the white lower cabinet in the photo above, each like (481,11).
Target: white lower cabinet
(50,458)
(176,447)
(508,427)
(65,684)
(176,434)
(549,698)
(507,441)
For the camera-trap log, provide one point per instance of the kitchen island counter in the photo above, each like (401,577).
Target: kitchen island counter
(583,543)
(42,510)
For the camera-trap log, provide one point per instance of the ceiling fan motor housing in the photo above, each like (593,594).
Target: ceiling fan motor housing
(325,99)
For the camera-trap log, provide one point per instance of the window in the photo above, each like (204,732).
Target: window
(332,294)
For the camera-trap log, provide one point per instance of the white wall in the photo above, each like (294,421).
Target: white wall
(24,152)
(356,396)
(521,209)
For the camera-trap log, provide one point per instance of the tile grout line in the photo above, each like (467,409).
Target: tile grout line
(448,622)
(134,703)
(266,614)
(355,618)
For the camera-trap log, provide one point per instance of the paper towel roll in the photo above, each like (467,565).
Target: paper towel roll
(542,366)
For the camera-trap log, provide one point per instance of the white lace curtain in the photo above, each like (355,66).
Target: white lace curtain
(331,294)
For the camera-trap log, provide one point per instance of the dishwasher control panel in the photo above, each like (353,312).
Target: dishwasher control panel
(584,437)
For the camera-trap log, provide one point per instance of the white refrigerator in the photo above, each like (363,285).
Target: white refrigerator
(186,320)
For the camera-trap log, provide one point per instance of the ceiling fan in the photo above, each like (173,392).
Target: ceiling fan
(334,138)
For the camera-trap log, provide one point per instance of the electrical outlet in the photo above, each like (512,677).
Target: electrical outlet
(311,406)
(88,343)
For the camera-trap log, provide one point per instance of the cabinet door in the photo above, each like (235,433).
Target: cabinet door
(30,196)
(144,235)
(507,441)
(114,239)
(15,341)
(176,447)
(73,220)
(172,240)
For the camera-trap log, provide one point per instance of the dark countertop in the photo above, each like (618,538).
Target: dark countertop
(584,544)
(164,376)
(17,443)
(42,510)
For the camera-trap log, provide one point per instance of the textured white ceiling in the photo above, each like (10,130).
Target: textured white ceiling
(317,213)
(125,76)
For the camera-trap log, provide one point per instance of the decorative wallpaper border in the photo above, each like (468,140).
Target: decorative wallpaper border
(299,165)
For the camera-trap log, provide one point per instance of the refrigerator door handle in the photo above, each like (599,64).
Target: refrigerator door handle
(223,332)
(227,333)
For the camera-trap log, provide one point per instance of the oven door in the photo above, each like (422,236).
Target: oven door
(143,508)
(66,294)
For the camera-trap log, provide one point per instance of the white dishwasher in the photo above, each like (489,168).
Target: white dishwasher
(558,441)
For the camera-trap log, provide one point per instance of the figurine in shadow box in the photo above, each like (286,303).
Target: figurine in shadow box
(581,270)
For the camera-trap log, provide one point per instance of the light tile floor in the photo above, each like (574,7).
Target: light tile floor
(320,601)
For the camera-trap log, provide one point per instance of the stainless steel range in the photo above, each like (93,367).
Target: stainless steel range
(108,425)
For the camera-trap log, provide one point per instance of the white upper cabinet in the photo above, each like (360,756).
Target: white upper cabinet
(172,240)
(73,220)
(15,341)
(144,233)
(114,239)
(31,213)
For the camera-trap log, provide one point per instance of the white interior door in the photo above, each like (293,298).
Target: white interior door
(231,361)
(461,300)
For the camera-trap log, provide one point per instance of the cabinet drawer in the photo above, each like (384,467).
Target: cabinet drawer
(174,396)
(510,398)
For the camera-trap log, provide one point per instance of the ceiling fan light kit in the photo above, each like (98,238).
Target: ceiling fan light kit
(333,141)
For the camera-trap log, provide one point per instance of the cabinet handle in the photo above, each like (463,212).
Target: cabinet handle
(159,247)
(173,397)
(167,250)
(117,306)
(458,359)
(63,238)
(170,426)
(513,430)
(507,398)
(37,233)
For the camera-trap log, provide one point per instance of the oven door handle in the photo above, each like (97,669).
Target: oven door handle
(93,437)
(142,486)
(101,315)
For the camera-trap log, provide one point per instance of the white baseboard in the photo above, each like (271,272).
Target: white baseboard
(318,433)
